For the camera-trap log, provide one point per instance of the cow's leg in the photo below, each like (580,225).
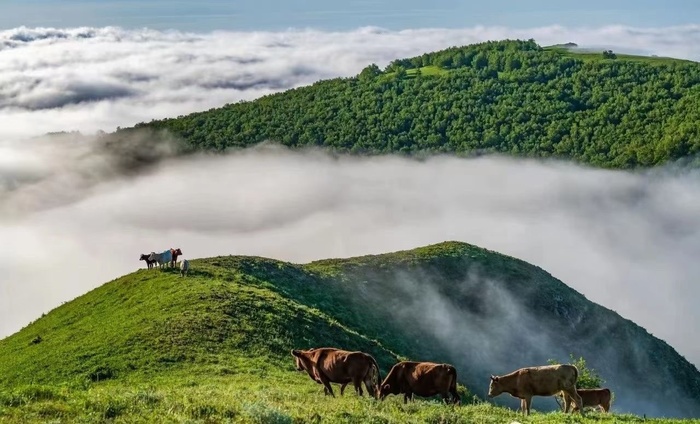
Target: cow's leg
(567,401)
(455,396)
(445,397)
(406,396)
(357,382)
(528,403)
(577,400)
(326,384)
(368,385)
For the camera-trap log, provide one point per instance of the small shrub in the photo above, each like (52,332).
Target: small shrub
(229,413)
(101,373)
(467,397)
(36,340)
(264,414)
(113,409)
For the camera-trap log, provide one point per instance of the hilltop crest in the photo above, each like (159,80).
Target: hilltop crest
(453,302)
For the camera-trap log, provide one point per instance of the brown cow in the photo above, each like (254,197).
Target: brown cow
(421,378)
(592,397)
(301,367)
(547,380)
(330,365)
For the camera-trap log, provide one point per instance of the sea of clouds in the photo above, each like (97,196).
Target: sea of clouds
(89,79)
(70,220)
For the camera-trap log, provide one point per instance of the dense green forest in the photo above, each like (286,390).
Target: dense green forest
(509,97)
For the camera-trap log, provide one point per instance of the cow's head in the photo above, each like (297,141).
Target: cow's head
(387,389)
(297,354)
(495,387)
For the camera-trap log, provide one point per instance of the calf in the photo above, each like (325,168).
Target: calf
(330,365)
(421,378)
(149,262)
(184,267)
(547,380)
(592,398)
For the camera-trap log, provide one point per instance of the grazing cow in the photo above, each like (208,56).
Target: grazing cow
(421,378)
(547,380)
(330,365)
(149,262)
(162,258)
(184,267)
(174,253)
(592,398)
(301,367)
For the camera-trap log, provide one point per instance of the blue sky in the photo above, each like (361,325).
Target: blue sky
(205,15)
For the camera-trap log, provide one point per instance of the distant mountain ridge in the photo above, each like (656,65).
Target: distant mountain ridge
(482,311)
(510,97)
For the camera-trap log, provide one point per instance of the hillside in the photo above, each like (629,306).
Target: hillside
(217,344)
(508,97)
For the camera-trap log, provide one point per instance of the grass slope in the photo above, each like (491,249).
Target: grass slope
(152,347)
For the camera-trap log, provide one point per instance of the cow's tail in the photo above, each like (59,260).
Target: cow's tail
(452,373)
(376,366)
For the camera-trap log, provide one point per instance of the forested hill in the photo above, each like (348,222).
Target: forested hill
(511,97)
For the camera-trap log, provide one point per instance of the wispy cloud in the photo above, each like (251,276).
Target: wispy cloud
(100,78)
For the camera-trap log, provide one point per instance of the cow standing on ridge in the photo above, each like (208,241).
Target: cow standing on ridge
(149,262)
(421,378)
(162,258)
(174,253)
(547,380)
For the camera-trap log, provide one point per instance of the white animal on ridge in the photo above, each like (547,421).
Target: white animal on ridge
(184,267)
(161,258)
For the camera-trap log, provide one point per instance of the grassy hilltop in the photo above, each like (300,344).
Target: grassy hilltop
(509,97)
(152,347)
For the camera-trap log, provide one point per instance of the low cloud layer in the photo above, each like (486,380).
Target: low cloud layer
(99,78)
(626,241)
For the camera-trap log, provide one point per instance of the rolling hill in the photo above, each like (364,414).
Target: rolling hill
(509,97)
(216,345)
